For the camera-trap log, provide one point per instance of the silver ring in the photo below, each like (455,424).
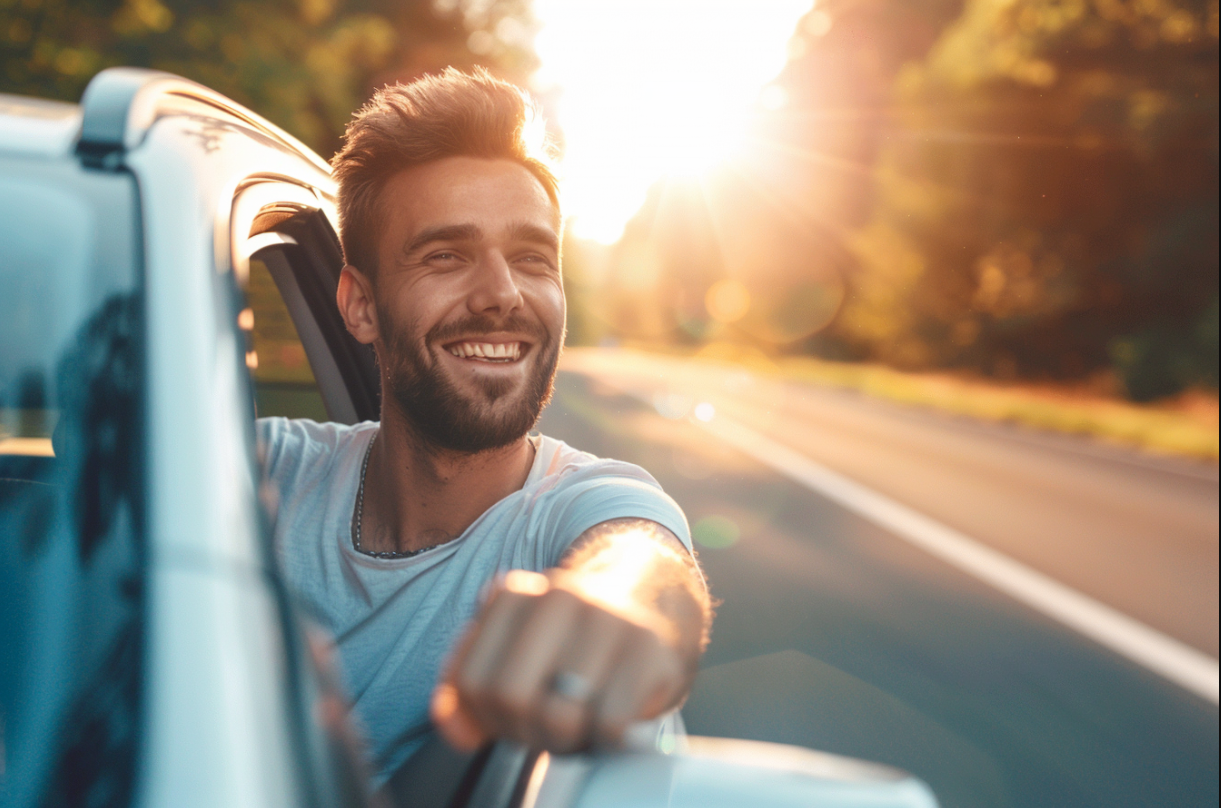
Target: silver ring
(572,686)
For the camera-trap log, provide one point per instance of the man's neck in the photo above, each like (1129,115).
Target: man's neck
(418,496)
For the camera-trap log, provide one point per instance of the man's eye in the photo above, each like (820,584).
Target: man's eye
(536,262)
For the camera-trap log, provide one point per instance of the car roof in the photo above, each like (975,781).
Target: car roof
(119,106)
(38,127)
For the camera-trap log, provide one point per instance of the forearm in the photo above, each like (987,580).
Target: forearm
(642,571)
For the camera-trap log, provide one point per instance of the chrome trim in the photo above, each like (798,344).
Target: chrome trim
(241,264)
(253,196)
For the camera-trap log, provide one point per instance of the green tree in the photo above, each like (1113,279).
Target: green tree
(1047,198)
(304,64)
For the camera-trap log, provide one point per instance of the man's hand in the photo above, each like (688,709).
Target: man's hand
(570,659)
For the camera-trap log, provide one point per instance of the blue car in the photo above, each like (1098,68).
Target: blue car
(168,262)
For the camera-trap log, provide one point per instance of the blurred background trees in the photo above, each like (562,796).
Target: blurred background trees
(1021,188)
(304,64)
(1052,169)
(1017,188)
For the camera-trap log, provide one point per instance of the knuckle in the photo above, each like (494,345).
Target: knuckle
(524,584)
(470,687)
(510,701)
(504,599)
(562,599)
(610,728)
(564,724)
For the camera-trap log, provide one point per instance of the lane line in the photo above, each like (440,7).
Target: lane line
(1180,663)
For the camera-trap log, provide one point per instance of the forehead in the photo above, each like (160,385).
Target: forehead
(491,194)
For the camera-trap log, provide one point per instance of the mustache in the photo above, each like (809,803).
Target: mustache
(483,324)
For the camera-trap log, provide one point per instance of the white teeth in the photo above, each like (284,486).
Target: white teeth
(486,350)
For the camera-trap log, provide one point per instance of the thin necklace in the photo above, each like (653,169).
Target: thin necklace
(359,517)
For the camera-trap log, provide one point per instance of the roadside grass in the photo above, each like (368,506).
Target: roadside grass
(1185,426)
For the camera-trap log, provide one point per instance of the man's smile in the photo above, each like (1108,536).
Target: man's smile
(496,352)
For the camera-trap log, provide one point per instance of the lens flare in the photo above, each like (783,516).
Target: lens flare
(653,88)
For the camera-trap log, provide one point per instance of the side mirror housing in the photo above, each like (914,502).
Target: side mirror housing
(720,773)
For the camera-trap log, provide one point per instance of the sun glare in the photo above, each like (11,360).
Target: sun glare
(653,88)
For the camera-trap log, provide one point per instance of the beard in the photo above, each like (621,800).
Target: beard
(448,418)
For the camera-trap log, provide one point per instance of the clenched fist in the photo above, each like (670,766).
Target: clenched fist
(570,659)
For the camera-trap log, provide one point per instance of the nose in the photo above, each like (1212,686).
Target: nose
(495,290)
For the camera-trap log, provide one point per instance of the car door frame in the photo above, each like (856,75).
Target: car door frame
(290,225)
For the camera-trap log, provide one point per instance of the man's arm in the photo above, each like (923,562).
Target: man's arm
(563,660)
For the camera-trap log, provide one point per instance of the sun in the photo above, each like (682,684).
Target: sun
(653,88)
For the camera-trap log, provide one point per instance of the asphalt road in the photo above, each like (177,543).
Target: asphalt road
(836,634)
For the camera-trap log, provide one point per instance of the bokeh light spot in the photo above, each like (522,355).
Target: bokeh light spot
(716,532)
(672,405)
(727,300)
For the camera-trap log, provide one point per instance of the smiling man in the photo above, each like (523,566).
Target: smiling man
(503,584)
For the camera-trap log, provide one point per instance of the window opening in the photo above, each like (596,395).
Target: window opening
(284,382)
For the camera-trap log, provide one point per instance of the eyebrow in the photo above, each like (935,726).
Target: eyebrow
(539,235)
(448,232)
(469,232)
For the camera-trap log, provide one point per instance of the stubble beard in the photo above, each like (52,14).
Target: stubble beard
(446,417)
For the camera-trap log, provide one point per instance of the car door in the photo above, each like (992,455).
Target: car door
(302,360)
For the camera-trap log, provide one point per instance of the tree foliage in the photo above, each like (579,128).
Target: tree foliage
(304,64)
(1051,176)
(1018,187)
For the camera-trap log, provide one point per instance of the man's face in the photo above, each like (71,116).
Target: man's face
(469,302)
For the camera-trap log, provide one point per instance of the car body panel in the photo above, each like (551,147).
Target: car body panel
(217,733)
(694,781)
(218,718)
(36,127)
(200,437)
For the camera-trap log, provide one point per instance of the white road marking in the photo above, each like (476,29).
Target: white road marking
(1166,656)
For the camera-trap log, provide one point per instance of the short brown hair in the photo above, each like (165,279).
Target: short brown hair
(453,114)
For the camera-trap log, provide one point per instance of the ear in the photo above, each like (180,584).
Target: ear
(355,300)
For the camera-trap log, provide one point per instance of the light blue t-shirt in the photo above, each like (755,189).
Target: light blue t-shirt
(395,620)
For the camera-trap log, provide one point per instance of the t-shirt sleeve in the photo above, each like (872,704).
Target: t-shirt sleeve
(295,453)
(270,434)
(290,445)
(590,499)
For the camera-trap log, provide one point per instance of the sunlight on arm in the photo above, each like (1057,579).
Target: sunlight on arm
(614,573)
(641,571)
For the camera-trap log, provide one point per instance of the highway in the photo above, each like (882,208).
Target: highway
(839,632)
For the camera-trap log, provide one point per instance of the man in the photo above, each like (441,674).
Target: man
(507,585)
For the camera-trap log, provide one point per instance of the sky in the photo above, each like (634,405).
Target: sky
(649,89)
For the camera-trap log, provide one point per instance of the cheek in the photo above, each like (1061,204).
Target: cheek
(547,296)
(423,304)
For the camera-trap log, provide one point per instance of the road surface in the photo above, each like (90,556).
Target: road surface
(836,633)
